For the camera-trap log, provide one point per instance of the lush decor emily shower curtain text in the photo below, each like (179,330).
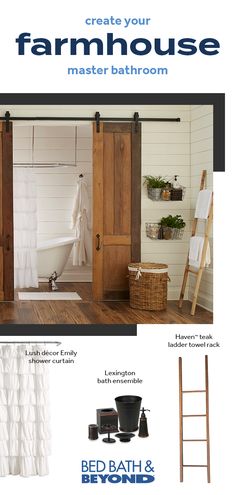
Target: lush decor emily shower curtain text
(25,229)
(24,414)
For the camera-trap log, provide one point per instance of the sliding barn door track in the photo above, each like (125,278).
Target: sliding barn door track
(96,118)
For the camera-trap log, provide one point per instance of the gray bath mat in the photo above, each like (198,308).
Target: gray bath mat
(49,296)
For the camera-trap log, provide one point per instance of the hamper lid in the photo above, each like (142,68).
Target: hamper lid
(148,267)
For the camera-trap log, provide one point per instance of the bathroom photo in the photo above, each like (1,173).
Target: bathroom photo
(106,214)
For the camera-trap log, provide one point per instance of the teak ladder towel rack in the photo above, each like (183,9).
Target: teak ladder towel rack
(181,423)
(198,272)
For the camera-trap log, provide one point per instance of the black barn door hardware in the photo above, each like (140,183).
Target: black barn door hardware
(98,246)
(97,118)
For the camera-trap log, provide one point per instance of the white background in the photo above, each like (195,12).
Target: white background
(197,73)
(74,393)
(75,396)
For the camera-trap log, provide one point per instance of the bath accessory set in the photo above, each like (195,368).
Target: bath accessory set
(128,411)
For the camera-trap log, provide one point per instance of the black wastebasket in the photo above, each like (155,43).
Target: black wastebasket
(128,408)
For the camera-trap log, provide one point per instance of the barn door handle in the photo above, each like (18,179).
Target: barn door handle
(8,242)
(98,246)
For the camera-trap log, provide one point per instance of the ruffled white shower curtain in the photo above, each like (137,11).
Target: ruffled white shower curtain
(25,229)
(24,413)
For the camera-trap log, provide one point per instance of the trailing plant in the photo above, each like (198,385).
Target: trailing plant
(174,222)
(155,182)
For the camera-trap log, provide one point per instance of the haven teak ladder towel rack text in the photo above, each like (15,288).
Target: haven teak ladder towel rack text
(181,422)
(198,272)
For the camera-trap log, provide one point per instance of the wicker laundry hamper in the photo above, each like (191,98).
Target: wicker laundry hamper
(148,286)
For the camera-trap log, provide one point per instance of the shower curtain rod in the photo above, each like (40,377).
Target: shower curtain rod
(39,165)
(31,342)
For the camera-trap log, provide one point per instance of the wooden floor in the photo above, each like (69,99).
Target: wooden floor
(87,311)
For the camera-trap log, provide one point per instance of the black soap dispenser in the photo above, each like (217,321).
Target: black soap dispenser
(143,427)
(177,190)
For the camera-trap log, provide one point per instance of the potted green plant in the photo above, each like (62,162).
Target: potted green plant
(172,227)
(154,184)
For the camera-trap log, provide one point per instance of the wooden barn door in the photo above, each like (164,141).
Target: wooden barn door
(6,214)
(116,207)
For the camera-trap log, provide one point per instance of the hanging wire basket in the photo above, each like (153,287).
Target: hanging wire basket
(157,194)
(153,230)
(172,234)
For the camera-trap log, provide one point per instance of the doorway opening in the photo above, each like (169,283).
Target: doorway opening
(55,177)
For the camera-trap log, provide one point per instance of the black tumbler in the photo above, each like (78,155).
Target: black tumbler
(128,408)
(93,432)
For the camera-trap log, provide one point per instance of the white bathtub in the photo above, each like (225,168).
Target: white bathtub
(53,255)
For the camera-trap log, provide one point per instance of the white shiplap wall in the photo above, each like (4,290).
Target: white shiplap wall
(202,158)
(165,151)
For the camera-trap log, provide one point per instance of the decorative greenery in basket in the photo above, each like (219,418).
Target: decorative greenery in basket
(175,222)
(172,227)
(154,184)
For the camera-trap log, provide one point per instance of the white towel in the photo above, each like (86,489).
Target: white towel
(195,252)
(81,221)
(203,204)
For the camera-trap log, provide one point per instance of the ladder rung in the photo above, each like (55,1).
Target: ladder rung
(195,465)
(193,415)
(195,440)
(192,271)
(192,391)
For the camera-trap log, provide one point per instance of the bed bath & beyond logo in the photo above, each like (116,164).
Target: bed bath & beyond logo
(128,471)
